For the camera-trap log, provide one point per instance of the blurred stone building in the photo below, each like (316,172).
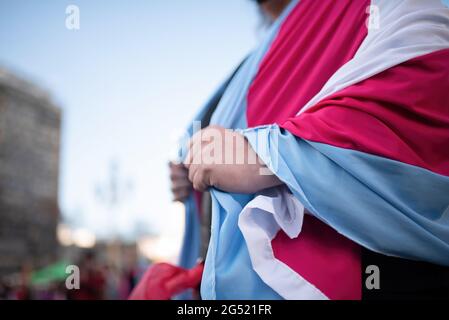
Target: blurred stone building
(29,169)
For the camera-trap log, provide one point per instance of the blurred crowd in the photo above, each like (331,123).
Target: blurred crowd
(97,281)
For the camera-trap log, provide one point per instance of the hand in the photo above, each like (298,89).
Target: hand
(223,159)
(180,184)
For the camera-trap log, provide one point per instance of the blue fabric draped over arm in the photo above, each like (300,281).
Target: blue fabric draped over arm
(387,206)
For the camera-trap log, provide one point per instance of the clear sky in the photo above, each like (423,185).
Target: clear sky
(128,81)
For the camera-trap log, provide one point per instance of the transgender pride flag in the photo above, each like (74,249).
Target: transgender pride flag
(355,121)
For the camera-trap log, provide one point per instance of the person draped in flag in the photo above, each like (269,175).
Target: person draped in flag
(198,204)
(166,281)
(346,104)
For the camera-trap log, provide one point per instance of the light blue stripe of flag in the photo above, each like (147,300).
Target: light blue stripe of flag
(387,206)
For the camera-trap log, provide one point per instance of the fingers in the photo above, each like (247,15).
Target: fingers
(194,157)
(178,172)
(198,180)
(198,176)
(180,184)
(194,148)
(198,171)
(181,194)
(197,141)
(181,189)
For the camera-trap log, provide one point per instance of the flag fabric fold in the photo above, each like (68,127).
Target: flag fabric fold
(355,123)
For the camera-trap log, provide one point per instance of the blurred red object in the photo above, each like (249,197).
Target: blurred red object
(162,281)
